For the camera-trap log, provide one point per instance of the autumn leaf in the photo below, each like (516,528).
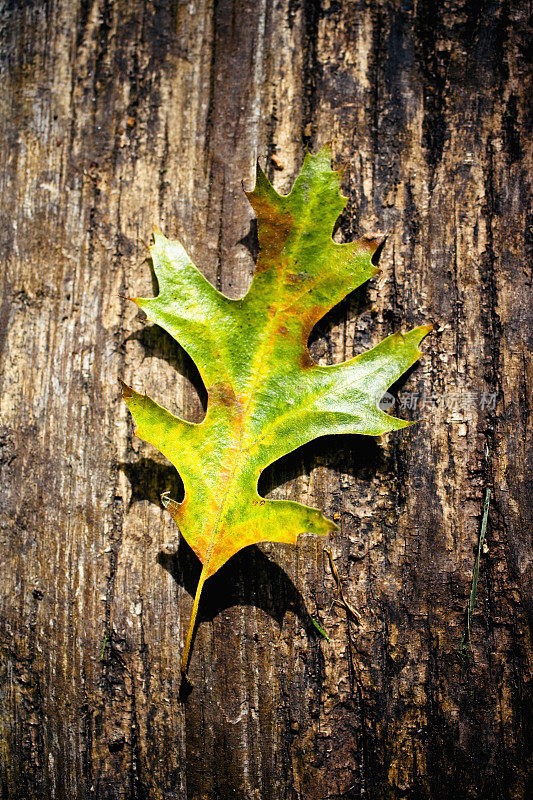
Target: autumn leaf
(266,395)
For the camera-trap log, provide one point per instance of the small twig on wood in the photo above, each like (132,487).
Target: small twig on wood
(340,600)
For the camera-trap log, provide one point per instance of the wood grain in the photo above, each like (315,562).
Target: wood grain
(120,115)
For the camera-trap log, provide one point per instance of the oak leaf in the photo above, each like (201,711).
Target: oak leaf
(266,395)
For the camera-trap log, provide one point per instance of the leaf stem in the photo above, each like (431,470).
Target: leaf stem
(188,641)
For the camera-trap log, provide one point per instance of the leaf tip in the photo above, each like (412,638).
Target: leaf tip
(129,299)
(422,331)
(373,242)
(259,177)
(320,629)
(323,153)
(332,527)
(158,240)
(127,391)
(407,423)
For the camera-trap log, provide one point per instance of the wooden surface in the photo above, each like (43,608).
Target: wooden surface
(120,115)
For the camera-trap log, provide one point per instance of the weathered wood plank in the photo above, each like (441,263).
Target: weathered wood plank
(117,116)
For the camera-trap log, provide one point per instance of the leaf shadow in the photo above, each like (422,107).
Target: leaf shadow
(251,240)
(160,344)
(149,479)
(249,578)
(359,456)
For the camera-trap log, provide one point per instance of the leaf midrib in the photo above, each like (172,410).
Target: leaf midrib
(241,453)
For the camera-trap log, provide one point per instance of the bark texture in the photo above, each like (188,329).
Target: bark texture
(119,115)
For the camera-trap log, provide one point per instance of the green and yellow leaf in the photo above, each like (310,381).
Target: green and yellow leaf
(266,396)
